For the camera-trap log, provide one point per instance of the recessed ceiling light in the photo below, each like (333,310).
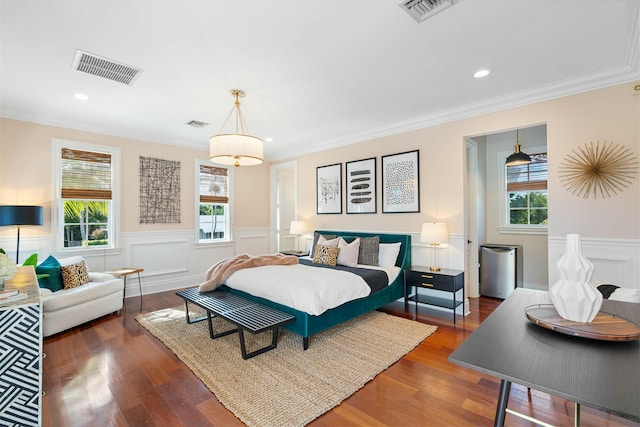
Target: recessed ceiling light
(481,73)
(81,96)
(268,139)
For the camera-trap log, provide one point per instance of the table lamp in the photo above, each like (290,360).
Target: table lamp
(434,233)
(20,215)
(297,228)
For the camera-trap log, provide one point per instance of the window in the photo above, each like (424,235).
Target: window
(213,207)
(527,192)
(84,195)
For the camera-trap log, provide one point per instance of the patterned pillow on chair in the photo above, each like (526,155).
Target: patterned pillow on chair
(74,275)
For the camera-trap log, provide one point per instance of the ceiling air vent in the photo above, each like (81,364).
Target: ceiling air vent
(197,124)
(423,9)
(106,68)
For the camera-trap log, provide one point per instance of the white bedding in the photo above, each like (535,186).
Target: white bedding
(310,289)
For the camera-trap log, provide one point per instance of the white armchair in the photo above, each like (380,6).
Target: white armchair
(67,308)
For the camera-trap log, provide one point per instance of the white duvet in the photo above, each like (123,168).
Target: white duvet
(310,289)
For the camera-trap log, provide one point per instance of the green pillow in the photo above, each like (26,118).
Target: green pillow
(50,266)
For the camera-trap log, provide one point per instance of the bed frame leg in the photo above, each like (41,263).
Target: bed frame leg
(305,343)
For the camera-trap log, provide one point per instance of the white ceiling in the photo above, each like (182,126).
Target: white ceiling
(318,73)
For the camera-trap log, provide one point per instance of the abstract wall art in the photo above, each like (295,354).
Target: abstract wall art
(361,186)
(401,182)
(159,191)
(329,189)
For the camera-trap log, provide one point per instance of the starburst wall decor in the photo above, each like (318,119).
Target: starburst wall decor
(598,170)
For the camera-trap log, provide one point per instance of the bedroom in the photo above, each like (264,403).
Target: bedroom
(172,260)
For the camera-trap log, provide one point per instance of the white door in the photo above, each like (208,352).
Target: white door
(471,212)
(284,202)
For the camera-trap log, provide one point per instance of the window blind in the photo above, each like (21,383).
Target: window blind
(214,185)
(86,175)
(530,177)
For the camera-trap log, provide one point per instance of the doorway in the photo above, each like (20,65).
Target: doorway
(284,203)
(493,210)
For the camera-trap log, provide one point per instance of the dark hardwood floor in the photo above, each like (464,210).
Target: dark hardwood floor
(112,372)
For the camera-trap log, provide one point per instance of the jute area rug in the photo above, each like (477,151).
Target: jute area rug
(287,386)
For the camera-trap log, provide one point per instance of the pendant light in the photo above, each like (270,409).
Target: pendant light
(239,148)
(518,157)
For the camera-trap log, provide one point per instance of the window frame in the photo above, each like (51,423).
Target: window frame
(503,199)
(196,209)
(57,204)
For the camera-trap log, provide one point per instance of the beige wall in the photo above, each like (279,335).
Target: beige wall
(610,114)
(25,176)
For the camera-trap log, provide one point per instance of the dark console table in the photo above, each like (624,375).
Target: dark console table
(600,374)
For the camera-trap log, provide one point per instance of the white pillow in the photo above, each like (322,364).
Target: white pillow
(333,243)
(348,254)
(388,254)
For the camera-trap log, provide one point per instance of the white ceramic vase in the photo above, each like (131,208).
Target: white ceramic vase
(573,295)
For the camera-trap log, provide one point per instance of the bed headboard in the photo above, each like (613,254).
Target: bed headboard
(404,257)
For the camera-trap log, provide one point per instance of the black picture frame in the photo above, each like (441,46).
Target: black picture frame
(329,189)
(401,182)
(360,185)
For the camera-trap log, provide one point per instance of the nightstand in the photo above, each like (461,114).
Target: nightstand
(295,253)
(445,280)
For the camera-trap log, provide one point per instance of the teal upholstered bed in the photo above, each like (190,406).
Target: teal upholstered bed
(306,324)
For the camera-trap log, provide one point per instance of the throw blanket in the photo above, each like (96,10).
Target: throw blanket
(220,272)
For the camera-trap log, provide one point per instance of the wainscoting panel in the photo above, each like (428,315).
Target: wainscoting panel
(160,258)
(615,261)
(252,241)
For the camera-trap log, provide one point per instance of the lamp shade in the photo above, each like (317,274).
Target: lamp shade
(518,157)
(20,215)
(434,233)
(297,228)
(235,149)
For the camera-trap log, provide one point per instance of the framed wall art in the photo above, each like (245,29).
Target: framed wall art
(159,191)
(329,189)
(401,182)
(361,186)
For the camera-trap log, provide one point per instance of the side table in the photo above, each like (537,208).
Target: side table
(124,272)
(295,253)
(446,280)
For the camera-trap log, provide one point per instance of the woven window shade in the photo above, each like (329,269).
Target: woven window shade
(86,175)
(214,185)
(529,177)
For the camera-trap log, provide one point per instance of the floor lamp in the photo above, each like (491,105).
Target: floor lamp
(20,215)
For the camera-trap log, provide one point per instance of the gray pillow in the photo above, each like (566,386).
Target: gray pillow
(369,248)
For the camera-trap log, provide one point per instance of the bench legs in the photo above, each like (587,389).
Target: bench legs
(274,343)
(209,318)
(186,312)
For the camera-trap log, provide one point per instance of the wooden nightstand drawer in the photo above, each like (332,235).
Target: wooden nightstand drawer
(434,280)
(445,280)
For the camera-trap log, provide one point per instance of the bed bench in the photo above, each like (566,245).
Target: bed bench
(245,314)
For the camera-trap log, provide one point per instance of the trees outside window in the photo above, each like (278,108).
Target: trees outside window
(86,223)
(86,185)
(213,202)
(527,202)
